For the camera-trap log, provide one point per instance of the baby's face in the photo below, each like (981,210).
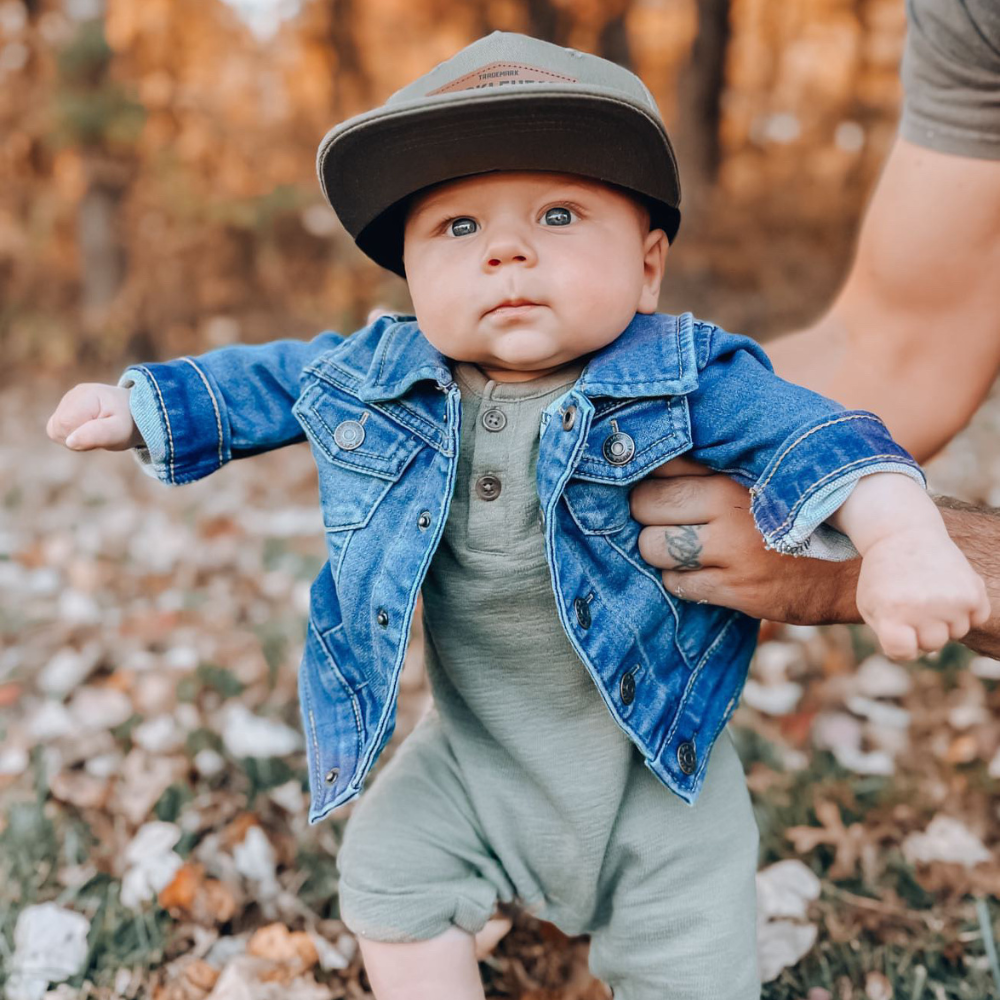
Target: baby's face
(575,258)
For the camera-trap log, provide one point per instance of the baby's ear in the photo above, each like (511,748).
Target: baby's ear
(655,247)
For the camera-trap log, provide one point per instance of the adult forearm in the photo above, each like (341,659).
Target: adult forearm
(976,531)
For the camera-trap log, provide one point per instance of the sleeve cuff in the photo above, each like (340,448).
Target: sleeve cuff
(152,457)
(795,496)
(181,419)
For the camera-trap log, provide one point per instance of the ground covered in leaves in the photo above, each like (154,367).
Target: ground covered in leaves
(153,834)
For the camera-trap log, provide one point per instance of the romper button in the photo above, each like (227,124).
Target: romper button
(382,617)
(488,487)
(582,609)
(687,758)
(494,419)
(627,688)
(332,775)
(569,417)
(618,446)
(424,521)
(349,434)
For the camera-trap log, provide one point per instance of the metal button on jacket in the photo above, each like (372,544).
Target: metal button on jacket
(582,609)
(627,688)
(687,758)
(332,775)
(569,417)
(494,419)
(382,617)
(424,521)
(488,487)
(618,446)
(350,433)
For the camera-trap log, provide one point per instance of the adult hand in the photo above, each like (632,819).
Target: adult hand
(700,533)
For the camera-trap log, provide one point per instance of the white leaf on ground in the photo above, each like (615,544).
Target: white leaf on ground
(100,708)
(161,734)
(881,713)
(249,735)
(49,721)
(251,978)
(862,762)
(289,796)
(772,699)
(209,762)
(785,889)
(144,778)
(13,760)
(330,956)
(985,667)
(50,945)
(967,715)
(68,669)
(152,863)
(255,860)
(780,945)
(879,677)
(836,729)
(945,839)
(773,660)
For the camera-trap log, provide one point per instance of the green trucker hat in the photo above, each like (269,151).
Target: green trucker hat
(505,102)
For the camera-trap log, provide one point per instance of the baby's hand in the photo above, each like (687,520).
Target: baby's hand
(917,590)
(93,415)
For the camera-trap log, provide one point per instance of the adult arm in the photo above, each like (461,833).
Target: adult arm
(914,334)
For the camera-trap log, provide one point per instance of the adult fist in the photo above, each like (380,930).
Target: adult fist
(700,533)
(93,415)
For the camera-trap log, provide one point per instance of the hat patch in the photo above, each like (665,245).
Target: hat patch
(502,74)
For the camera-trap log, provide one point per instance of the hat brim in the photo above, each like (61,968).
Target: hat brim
(369,166)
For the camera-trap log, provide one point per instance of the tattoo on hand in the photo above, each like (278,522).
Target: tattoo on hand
(684,547)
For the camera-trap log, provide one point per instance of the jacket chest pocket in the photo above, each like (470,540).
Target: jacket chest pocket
(624,444)
(360,453)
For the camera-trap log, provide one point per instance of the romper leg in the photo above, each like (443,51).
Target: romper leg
(680,905)
(414,862)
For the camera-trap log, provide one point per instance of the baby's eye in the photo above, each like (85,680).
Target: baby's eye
(559,216)
(463,226)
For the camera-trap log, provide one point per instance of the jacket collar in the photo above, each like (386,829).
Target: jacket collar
(653,356)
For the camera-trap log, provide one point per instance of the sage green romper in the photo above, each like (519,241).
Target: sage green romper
(519,785)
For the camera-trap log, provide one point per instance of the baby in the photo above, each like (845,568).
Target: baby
(576,758)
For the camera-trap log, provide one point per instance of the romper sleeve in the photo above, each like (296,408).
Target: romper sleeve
(197,413)
(798,452)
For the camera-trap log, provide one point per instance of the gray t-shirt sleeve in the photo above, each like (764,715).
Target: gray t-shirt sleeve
(951,77)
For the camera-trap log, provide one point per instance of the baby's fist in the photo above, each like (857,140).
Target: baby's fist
(94,415)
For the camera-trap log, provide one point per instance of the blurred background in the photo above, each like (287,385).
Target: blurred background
(159,198)
(160,193)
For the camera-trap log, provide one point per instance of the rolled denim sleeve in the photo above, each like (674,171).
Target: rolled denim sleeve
(197,413)
(800,453)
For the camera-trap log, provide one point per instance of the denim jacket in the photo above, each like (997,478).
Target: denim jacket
(382,415)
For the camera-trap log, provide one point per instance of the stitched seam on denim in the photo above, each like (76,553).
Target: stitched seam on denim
(413,421)
(677,342)
(215,405)
(332,662)
(695,674)
(379,470)
(658,583)
(315,766)
(550,557)
(591,531)
(166,420)
(412,596)
(819,482)
(809,433)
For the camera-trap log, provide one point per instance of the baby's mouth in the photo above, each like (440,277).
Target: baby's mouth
(512,307)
